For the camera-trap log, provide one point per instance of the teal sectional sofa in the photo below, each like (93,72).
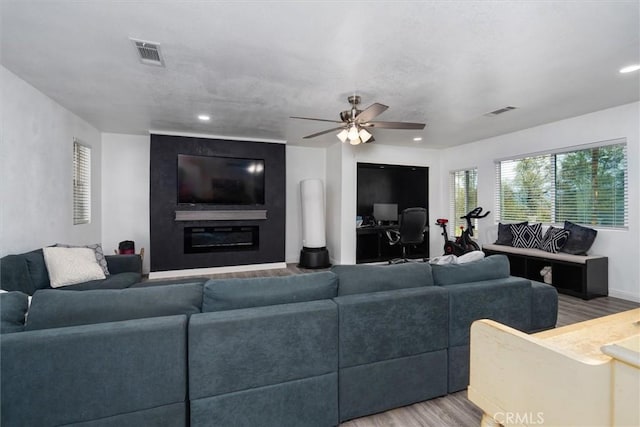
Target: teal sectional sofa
(305,350)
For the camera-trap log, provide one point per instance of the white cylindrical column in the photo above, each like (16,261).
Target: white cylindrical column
(312,200)
(314,253)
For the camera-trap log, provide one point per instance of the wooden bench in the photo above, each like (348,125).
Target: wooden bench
(584,276)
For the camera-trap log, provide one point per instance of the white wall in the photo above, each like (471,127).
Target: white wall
(621,246)
(302,163)
(333,192)
(36,160)
(125,192)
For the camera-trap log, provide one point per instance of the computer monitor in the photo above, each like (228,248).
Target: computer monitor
(385,212)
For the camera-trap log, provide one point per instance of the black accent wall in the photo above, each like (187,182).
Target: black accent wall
(167,234)
(408,186)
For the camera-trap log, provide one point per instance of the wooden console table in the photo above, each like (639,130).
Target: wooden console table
(583,374)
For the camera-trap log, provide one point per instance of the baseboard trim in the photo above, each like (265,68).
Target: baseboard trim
(215,270)
(624,295)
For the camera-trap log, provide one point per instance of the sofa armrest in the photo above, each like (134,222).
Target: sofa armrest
(124,263)
(544,307)
(82,373)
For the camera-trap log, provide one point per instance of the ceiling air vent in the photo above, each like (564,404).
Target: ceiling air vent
(499,111)
(148,52)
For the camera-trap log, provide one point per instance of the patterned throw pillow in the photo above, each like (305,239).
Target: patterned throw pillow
(526,236)
(97,250)
(554,239)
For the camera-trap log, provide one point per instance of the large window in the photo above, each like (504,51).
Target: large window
(587,186)
(81,183)
(464,191)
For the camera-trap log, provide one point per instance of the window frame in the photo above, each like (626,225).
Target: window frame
(453,223)
(554,153)
(81,183)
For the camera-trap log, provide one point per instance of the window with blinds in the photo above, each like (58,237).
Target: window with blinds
(464,197)
(586,186)
(81,183)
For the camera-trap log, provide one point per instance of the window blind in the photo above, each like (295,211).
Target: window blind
(587,186)
(463,186)
(81,183)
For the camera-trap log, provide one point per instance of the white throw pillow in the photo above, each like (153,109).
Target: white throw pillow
(444,259)
(470,256)
(68,266)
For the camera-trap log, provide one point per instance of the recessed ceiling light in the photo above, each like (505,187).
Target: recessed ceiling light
(630,68)
(417,139)
(204,117)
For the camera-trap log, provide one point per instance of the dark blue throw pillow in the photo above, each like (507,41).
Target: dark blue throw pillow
(505,236)
(580,239)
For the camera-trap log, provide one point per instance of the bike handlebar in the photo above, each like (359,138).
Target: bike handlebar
(475,213)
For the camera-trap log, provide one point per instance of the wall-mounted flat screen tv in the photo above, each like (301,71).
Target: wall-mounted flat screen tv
(220,180)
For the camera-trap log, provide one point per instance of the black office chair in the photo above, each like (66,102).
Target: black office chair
(410,232)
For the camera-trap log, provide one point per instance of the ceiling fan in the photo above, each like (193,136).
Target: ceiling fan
(355,124)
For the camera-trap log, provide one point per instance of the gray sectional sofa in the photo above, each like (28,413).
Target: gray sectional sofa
(305,350)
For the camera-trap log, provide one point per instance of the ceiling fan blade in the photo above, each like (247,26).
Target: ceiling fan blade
(370,112)
(317,120)
(322,133)
(396,125)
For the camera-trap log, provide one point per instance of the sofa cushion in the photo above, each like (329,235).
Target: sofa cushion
(492,267)
(24,272)
(88,373)
(13,307)
(506,300)
(387,325)
(164,282)
(68,266)
(59,308)
(37,269)
(580,239)
(231,294)
(360,279)
(234,350)
(114,281)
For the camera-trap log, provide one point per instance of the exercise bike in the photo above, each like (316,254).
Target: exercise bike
(463,243)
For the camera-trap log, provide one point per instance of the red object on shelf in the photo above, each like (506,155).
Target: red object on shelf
(127,247)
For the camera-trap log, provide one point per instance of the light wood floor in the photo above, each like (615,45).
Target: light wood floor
(455,410)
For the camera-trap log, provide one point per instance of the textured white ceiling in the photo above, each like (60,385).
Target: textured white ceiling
(252,64)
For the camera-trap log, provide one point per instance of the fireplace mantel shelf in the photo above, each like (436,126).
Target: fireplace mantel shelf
(222,215)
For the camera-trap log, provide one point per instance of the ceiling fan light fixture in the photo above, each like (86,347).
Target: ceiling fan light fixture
(353,133)
(364,135)
(355,141)
(342,135)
